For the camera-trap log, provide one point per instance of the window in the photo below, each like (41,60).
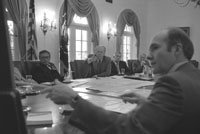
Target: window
(68,43)
(80,44)
(129,48)
(126,48)
(80,20)
(11,34)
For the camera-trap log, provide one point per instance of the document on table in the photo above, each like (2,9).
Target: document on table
(118,84)
(39,118)
(119,107)
(115,104)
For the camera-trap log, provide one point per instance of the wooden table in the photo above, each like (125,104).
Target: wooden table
(111,85)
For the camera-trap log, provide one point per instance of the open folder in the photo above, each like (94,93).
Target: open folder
(39,118)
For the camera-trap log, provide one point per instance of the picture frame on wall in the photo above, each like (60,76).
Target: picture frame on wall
(186,30)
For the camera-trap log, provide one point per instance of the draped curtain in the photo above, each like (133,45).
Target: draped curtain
(19,14)
(128,17)
(83,8)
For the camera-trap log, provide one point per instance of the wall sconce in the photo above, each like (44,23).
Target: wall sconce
(46,24)
(111,31)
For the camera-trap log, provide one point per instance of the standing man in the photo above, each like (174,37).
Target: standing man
(102,66)
(45,71)
(118,66)
(173,106)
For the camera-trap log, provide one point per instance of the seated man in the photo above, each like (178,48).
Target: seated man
(171,108)
(102,66)
(87,68)
(141,64)
(118,66)
(45,71)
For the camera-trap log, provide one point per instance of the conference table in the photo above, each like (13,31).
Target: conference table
(102,92)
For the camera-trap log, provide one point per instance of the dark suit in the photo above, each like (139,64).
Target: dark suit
(102,68)
(121,64)
(173,107)
(87,70)
(43,73)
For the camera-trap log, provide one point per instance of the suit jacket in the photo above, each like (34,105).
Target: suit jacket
(87,70)
(137,67)
(122,64)
(104,68)
(172,108)
(43,73)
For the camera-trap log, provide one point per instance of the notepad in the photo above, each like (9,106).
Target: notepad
(39,118)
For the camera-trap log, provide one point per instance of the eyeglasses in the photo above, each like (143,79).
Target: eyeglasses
(44,57)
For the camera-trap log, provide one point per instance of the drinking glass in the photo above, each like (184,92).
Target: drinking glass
(29,80)
(122,71)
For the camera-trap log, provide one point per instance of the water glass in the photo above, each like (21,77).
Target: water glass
(29,78)
(122,71)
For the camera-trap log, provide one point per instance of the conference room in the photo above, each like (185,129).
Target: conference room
(70,30)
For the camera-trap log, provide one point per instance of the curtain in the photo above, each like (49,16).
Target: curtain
(83,8)
(65,19)
(128,17)
(19,14)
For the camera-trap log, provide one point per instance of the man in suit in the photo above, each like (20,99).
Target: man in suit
(45,71)
(87,70)
(118,66)
(173,106)
(138,66)
(102,65)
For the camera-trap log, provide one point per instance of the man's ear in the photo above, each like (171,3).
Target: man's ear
(178,49)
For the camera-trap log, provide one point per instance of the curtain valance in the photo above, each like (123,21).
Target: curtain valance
(128,17)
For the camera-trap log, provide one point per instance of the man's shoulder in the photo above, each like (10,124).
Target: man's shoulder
(123,62)
(107,58)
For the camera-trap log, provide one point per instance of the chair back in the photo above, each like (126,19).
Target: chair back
(25,67)
(134,66)
(80,69)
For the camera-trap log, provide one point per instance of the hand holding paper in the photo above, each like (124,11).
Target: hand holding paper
(133,97)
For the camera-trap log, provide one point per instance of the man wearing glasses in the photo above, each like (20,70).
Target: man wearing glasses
(45,71)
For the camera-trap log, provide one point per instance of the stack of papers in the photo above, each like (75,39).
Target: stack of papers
(39,118)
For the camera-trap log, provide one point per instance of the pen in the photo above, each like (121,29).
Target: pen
(79,85)
(103,95)
(94,90)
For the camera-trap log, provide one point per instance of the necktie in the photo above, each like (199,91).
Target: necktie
(117,65)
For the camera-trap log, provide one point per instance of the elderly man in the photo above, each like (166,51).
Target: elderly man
(102,66)
(45,71)
(118,66)
(172,107)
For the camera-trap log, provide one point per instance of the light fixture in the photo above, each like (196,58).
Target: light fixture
(111,31)
(184,3)
(47,24)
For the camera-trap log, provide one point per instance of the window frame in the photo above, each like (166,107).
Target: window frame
(133,44)
(72,45)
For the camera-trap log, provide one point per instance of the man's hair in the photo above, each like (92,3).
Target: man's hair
(44,51)
(177,35)
(99,47)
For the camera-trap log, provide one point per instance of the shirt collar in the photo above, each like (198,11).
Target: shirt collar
(176,66)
